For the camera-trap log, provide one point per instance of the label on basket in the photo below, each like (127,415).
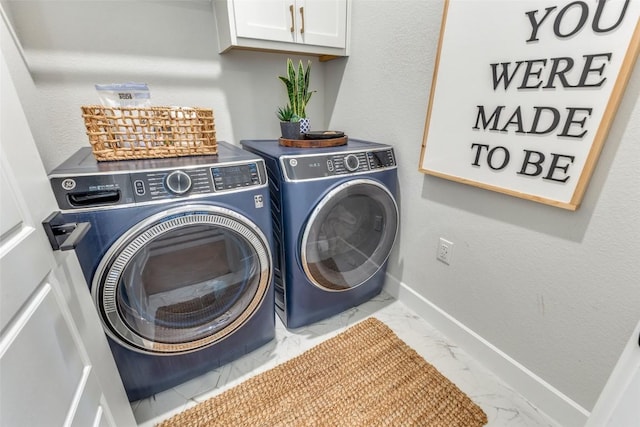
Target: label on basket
(124,94)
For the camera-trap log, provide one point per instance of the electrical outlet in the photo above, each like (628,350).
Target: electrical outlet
(445,251)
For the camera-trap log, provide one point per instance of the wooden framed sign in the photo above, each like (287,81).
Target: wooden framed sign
(524,93)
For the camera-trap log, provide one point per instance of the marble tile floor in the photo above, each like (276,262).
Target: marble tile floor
(503,405)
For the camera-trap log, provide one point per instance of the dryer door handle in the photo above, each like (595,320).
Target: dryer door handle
(64,236)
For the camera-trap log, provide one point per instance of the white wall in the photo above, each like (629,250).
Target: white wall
(171,45)
(555,290)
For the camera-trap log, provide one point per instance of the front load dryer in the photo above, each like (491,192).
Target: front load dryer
(335,220)
(178,259)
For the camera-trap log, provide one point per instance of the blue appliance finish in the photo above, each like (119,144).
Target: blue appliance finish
(226,198)
(335,219)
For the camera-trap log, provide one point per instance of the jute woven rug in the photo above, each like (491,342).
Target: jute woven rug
(365,376)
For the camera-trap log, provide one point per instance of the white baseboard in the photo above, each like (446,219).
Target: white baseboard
(540,393)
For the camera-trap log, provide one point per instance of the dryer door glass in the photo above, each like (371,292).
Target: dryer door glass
(182,280)
(349,235)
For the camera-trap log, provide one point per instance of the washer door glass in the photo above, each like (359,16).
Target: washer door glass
(349,235)
(182,279)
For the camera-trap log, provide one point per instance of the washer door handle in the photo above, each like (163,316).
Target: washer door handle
(64,236)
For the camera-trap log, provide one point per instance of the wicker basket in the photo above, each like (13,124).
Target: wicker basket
(125,133)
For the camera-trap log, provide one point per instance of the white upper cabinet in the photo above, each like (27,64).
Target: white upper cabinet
(313,27)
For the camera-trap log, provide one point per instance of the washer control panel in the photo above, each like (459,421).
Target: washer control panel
(117,189)
(327,165)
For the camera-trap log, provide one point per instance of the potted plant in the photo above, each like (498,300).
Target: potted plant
(289,122)
(297,85)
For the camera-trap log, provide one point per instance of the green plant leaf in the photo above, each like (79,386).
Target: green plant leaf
(300,91)
(290,90)
(307,78)
(293,96)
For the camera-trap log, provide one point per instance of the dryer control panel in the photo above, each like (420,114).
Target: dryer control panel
(119,189)
(318,166)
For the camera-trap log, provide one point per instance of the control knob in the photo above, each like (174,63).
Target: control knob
(178,182)
(351,162)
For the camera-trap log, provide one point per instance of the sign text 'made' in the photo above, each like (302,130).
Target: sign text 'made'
(536,75)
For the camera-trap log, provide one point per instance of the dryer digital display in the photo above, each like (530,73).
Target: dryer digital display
(381,159)
(235,176)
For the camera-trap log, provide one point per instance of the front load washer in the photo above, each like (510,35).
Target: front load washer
(178,259)
(335,220)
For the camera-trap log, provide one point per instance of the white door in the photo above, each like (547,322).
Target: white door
(617,405)
(56,368)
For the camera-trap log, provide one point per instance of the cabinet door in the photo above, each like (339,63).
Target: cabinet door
(322,22)
(265,19)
